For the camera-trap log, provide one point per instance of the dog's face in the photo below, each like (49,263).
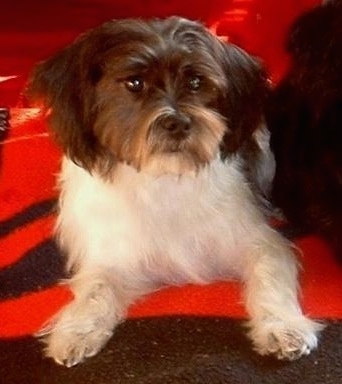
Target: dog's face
(162,95)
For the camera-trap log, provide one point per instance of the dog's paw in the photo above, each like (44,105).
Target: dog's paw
(286,341)
(287,344)
(71,346)
(78,331)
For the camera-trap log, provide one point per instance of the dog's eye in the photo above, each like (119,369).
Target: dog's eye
(194,83)
(135,84)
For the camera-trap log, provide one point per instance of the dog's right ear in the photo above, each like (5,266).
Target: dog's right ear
(247,91)
(64,87)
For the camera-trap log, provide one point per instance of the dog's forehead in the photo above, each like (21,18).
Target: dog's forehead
(134,43)
(169,29)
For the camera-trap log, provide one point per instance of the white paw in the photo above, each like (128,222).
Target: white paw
(73,345)
(285,340)
(79,331)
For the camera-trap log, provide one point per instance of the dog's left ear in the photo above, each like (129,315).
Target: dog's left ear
(246,93)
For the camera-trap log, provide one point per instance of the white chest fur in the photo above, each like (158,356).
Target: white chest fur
(173,229)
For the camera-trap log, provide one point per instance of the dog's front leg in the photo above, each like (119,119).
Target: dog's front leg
(83,327)
(277,324)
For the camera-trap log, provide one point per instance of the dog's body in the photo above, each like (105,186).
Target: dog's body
(305,119)
(161,124)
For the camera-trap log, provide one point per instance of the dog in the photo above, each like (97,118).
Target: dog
(165,161)
(304,115)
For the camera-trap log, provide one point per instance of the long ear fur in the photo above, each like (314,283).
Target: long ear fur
(245,99)
(63,85)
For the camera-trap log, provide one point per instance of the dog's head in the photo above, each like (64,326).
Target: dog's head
(160,95)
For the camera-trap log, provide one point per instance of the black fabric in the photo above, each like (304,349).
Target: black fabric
(46,263)
(29,214)
(176,350)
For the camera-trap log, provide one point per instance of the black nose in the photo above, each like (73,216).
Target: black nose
(177,126)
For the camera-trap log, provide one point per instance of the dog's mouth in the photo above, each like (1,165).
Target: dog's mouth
(175,146)
(174,150)
(189,148)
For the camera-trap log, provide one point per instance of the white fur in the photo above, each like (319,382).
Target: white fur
(133,234)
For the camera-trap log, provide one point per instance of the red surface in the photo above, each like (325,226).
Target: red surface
(37,29)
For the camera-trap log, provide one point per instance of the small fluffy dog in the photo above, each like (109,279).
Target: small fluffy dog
(161,124)
(305,119)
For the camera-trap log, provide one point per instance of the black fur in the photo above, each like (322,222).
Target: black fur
(304,115)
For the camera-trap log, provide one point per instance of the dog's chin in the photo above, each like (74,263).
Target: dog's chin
(183,157)
(173,163)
